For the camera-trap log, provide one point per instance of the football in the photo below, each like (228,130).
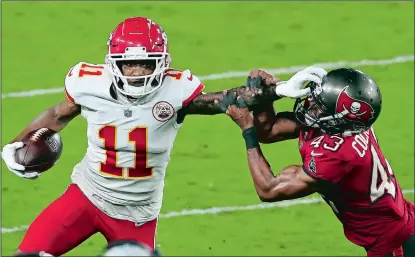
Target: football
(42,148)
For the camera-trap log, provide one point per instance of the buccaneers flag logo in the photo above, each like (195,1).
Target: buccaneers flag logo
(353,109)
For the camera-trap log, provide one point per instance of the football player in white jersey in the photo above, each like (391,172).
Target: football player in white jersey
(134,105)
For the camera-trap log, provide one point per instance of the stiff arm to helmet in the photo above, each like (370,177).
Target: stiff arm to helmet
(211,103)
(271,126)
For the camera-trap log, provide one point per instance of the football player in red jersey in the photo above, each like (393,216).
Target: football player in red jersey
(342,159)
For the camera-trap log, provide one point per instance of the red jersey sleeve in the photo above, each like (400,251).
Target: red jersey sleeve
(325,166)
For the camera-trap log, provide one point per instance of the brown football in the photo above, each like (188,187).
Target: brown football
(42,148)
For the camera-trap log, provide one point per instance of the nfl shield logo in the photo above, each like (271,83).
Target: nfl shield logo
(127,113)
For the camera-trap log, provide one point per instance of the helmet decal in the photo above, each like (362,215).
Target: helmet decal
(353,109)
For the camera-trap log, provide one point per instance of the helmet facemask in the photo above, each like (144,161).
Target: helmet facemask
(144,84)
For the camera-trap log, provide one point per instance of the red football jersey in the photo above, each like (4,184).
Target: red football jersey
(359,185)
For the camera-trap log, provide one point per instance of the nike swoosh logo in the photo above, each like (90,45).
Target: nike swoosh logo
(191,77)
(315,154)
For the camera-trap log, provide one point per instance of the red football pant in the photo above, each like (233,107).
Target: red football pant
(72,218)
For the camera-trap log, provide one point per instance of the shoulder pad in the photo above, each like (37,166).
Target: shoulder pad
(80,77)
(190,85)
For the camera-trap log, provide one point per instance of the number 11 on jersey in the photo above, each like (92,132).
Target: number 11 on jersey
(138,136)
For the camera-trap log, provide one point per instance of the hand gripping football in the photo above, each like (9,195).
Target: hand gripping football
(42,149)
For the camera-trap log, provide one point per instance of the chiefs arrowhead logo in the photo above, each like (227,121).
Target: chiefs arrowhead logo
(353,109)
(163,111)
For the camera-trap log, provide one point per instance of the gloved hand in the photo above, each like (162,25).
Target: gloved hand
(293,87)
(9,156)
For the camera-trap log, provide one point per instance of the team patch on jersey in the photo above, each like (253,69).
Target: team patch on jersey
(312,165)
(163,111)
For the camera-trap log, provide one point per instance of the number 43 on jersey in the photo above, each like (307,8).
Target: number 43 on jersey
(381,177)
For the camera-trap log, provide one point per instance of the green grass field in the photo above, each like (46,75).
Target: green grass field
(42,40)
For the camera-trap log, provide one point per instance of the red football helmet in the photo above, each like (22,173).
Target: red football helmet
(138,38)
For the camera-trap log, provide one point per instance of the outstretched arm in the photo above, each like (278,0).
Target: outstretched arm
(292,182)
(270,127)
(205,104)
(260,91)
(210,103)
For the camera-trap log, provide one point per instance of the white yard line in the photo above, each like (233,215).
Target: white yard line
(237,74)
(217,210)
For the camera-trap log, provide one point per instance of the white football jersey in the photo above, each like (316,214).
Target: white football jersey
(128,145)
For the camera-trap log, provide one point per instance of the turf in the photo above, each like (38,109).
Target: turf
(42,40)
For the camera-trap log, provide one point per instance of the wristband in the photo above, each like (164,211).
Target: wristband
(250,137)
